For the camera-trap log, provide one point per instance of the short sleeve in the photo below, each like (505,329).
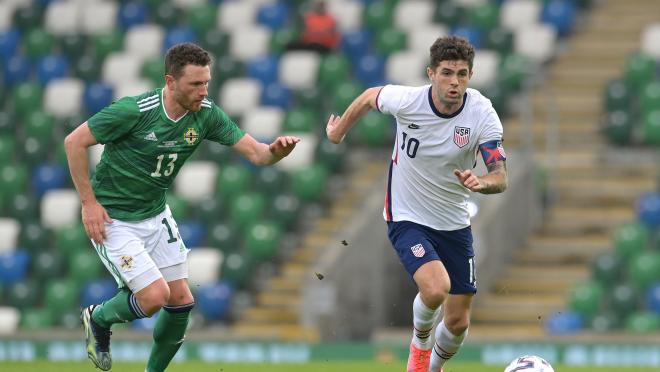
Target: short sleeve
(115,120)
(389,99)
(492,127)
(222,129)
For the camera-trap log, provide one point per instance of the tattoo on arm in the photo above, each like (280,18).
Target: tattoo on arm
(496,180)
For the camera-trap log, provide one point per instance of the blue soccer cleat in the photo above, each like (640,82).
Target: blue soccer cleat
(97,339)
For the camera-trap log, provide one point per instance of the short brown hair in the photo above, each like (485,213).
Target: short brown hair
(451,48)
(183,54)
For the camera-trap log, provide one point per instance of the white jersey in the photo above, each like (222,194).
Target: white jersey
(422,187)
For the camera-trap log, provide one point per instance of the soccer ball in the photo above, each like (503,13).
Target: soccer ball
(529,363)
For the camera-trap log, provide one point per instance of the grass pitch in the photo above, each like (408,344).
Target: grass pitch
(43,366)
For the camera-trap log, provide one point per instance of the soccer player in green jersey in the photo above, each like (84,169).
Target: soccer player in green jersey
(147,139)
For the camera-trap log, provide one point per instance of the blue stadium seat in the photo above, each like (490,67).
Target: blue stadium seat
(653,298)
(97,96)
(276,94)
(16,70)
(9,42)
(355,44)
(192,232)
(471,33)
(178,35)
(564,322)
(98,291)
(273,16)
(13,266)
(214,300)
(52,67)
(560,14)
(370,70)
(132,13)
(264,69)
(48,176)
(648,209)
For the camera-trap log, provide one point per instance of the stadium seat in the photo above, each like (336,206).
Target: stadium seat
(355,43)
(37,319)
(273,16)
(192,232)
(644,269)
(215,41)
(518,14)
(226,68)
(262,240)
(333,69)
(16,70)
(304,154)
(47,265)
(617,126)
(166,14)
(176,35)
(282,38)
(108,43)
(310,98)
(374,130)
(486,69)
(7,149)
(87,67)
(97,96)
(248,42)
(648,210)
(263,123)
(406,68)
(9,230)
(277,95)
(236,14)
(47,177)
(537,42)
(514,70)
(60,208)
(623,298)
(309,183)
(14,179)
(10,39)
(61,296)
(344,94)
(73,46)
(370,70)
(240,95)
(264,69)
(484,16)
(390,40)
(214,300)
(420,39)
(331,155)
(62,97)
(121,67)
(9,316)
(560,14)
(236,269)
(98,16)
(223,236)
(97,291)
(377,15)
(202,18)
(247,208)
(607,268)
(630,239)
(651,127)
(62,18)
(7,10)
(471,33)
(448,13)
(145,41)
(643,323)
(196,180)
(651,41)
(300,120)
(348,14)
(204,265)
(269,181)
(564,322)
(131,14)
(71,239)
(14,266)
(586,298)
(132,88)
(178,206)
(25,96)
(33,236)
(299,69)
(232,180)
(653,298)
(639,70)
(7,124)
(23,207)
(605,321)
(284,209)
(24,294)
(649,100)
(499,39)
(40,125)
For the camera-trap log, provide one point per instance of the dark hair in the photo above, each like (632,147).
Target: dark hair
(183,54)
(451,48)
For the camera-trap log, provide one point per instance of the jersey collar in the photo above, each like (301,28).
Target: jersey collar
(445,116)
(165,114)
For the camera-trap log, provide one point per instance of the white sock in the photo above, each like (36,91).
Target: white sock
(423,320)
(446,345)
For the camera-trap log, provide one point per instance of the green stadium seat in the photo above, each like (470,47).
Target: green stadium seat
(270,181)
(165,13)
(71,239)
(13,179)
(515,69)
(47,265)
(61,296)
(284,209)
(40,125)
(108,42)
(36,150)
(28,17)
(499,39)
(331,155)
(282,38)
(84,266)
(344,94)
(7,119)
(618,127)
(378,15)
(87,67)
(650,98)
(38,43)
(485,16)
(232,180)
(247,208)
(640,69)
(237,269)
(643,323)
(300,120)
(34,237)
(226,68)
(334,69)
(215,41)
(617,96)
(311,98)
(447,12)
(37,319)
(645,269)
(623,298)
(23,207)
(651,128)
(308,183)
(263,239)
(586,298)
(27,97)
(374,129)
(210,210)
(223,235)
(390,40)
(202,18)
(178,206)
(7,149)
(607,268)
(73,45)
(154,71)
(24,294)
(631,239)
(605,321)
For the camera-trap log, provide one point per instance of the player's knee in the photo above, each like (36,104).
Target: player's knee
(154,300)
(434,295)
(457,325)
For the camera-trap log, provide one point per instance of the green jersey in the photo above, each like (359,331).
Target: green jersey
(145,149)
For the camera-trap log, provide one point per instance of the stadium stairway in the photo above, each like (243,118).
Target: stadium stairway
(593,185)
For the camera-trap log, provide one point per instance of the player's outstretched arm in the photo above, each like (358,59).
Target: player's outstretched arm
(262,154)
(338,126)
(492,183)
(94,215)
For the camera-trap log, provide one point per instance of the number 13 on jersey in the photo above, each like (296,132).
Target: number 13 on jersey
(170,165)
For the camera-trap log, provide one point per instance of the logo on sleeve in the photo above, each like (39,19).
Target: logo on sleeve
(126,263)
(418,250)
(461,136)
(413,126)
(191,136)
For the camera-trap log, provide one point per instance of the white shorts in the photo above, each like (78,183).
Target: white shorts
(137,253)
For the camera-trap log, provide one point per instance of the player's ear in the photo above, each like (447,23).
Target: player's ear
(429,72)
(169,81)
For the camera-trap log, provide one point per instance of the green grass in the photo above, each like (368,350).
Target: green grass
(308,367)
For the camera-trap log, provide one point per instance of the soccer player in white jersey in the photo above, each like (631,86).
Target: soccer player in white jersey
(440,127)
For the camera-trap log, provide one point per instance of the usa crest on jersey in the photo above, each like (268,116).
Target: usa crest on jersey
(418,250)
(461,136)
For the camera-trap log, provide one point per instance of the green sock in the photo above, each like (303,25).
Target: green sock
(120,309)
(168,336)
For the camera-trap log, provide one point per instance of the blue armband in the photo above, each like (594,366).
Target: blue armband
(492,151)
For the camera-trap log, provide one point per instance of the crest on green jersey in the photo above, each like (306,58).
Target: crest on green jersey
(126,262)
(191,136)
